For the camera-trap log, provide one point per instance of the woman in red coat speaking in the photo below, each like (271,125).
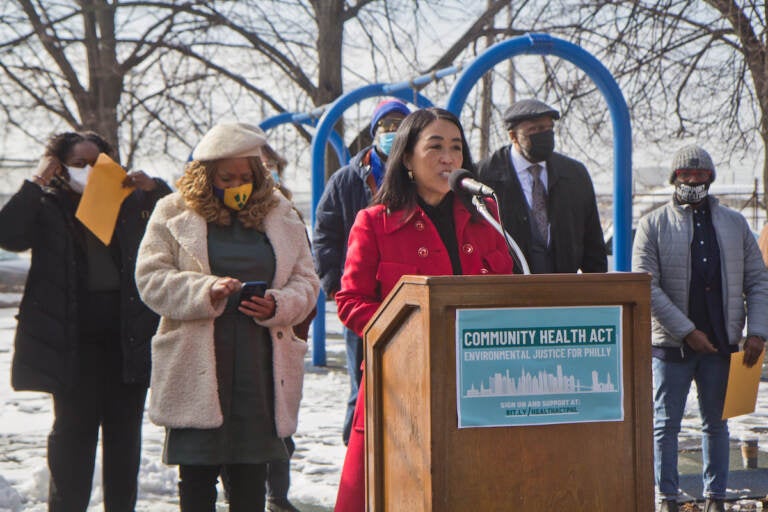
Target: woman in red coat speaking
(415,226)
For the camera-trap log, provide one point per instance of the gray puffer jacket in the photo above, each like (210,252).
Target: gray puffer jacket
(662,248)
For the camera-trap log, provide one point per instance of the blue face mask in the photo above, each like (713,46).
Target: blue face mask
(385,142)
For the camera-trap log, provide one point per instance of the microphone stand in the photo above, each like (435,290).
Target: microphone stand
(512,247)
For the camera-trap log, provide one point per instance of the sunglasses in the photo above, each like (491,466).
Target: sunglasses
(693,174)
(389,125)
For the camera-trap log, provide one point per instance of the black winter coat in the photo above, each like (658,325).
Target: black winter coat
(346,193)
(47,337)
(576,236)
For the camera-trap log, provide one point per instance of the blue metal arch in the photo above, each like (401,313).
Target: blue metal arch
(544,44)
(288,117)
(322,132)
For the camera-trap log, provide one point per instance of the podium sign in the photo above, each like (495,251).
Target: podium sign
(537,366)
(571,421)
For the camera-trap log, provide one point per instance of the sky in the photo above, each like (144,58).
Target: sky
(437,29)
(25,420)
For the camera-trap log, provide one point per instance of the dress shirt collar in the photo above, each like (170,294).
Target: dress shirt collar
(521,165)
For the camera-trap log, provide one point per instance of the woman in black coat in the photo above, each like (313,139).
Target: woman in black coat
(83,334)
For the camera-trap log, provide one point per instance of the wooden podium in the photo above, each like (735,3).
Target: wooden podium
(417,459)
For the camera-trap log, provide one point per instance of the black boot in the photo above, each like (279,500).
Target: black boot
(279,480)
(193,498)
(197,488)
(280,505)
(714,505)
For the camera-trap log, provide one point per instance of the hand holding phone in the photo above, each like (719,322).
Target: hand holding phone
(251,288)
(253,301)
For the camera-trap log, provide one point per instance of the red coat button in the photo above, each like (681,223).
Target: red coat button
(468,248)
(423,252)
(419,225)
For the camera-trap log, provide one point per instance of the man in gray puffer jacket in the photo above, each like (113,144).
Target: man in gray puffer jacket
(707,278)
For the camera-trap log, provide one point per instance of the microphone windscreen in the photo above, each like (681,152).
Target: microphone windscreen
(454,179)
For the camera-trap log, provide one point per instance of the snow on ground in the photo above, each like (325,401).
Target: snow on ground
(25,420)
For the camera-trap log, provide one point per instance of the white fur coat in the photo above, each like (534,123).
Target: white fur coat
(174,279)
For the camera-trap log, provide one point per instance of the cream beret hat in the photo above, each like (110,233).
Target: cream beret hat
(230,140)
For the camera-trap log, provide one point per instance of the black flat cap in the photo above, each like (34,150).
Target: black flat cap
(527,109)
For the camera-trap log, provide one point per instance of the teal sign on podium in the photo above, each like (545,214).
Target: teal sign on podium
(538,366)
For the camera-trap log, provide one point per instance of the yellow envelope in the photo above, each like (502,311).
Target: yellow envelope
(741,394)
(102,197)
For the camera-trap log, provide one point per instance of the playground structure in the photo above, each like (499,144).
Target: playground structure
(324,119)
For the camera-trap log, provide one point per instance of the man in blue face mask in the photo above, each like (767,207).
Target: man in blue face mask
(349,190)
(386,120)
(547,200)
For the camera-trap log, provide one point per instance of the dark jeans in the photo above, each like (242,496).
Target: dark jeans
(279,473)
(98,399)
(671,384)
(354,360)
(197,487)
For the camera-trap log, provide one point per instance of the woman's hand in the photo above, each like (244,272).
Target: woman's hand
(47,169)
(223,287)
(140,180)
(259,308)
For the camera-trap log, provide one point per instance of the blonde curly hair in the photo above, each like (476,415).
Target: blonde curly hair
(196,187)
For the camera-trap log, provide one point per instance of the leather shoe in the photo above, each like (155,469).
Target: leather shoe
(668,506)
(280,505)
(714,505)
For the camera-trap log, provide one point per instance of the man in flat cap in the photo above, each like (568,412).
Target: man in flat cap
(547,200)
(349,190)
(707,278)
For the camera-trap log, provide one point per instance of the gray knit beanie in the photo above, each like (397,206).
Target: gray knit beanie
(692,157)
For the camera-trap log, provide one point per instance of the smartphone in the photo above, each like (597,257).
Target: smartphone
(251,288)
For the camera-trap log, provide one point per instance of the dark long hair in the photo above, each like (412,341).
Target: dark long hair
(398,191)
(60,145)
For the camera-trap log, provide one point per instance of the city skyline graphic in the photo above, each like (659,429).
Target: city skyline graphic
(540,383)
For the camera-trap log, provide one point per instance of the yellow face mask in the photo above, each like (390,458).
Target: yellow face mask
(234,197)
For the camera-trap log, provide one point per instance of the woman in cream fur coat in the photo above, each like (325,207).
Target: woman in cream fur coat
(227,371)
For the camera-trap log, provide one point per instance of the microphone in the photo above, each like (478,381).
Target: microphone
(463,181)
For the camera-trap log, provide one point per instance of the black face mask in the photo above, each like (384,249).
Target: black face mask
(542,145)
(691,194)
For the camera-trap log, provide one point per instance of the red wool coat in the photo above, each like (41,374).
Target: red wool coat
(382,247)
